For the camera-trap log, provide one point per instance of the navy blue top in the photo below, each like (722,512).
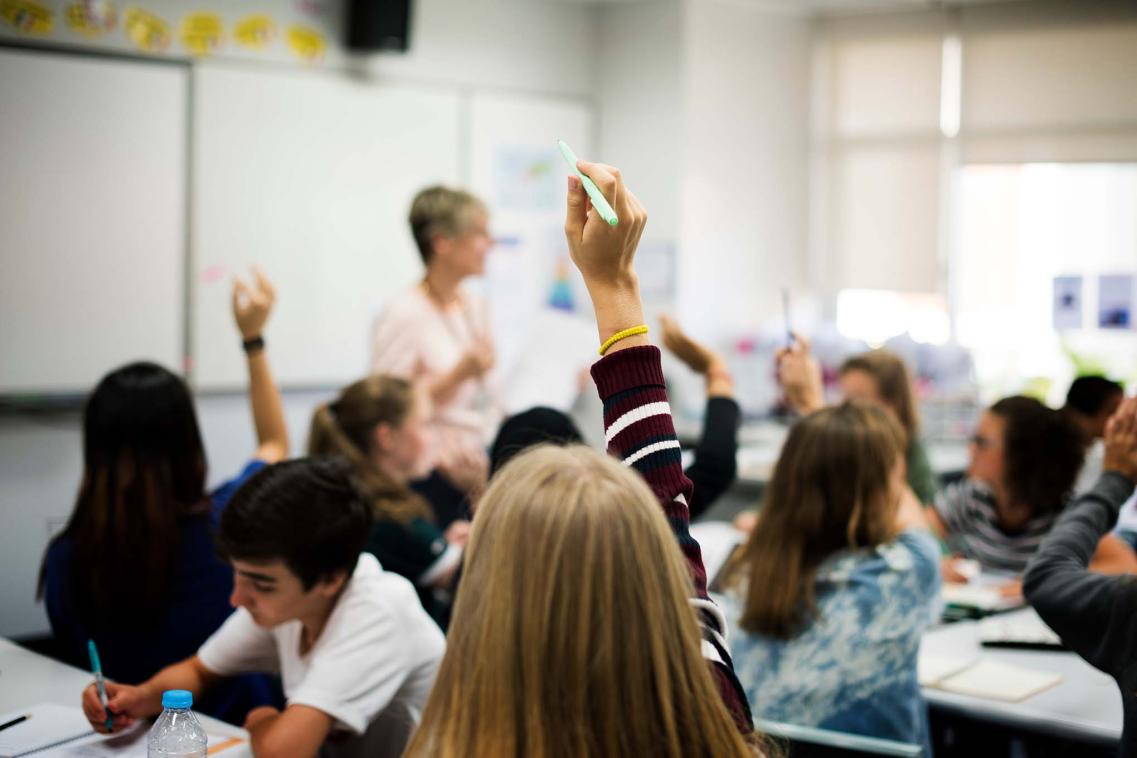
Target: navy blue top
(198,603)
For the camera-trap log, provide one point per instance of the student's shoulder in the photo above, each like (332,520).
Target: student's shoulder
(409,303)
(923,555)
(376,593)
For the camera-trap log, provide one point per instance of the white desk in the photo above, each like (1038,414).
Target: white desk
(1086,705)
(27,678)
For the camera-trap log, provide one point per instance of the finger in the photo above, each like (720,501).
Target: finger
(607,180)
(263,283)
(801,342)
(240,293)
(577,209)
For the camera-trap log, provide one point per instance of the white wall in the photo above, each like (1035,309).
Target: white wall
(743,231)
(491,45)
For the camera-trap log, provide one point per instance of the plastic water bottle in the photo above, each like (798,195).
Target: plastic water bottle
(177,733)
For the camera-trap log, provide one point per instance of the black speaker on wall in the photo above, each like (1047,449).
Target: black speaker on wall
(374,25)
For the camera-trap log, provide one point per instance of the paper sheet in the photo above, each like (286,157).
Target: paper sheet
(932,669)
(996,680)
(49,724)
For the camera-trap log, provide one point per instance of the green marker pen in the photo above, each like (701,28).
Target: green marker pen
(594,194)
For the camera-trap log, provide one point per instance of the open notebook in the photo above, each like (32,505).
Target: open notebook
(983,677)
(56,731)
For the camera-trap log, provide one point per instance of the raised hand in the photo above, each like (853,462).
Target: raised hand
(252,304)
(605,254)
(800,377)
(1121,441)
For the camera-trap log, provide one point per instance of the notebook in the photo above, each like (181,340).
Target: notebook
(48,725)
(984,678)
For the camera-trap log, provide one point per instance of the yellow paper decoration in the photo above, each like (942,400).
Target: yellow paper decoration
(308,44)
(91,18)
(27,17)
(148,32)
(202,33)
(255,32)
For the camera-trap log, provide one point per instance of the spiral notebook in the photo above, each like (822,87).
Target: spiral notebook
(47,725)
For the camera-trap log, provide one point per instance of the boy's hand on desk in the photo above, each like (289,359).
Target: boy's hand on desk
(257,715)
(126,703)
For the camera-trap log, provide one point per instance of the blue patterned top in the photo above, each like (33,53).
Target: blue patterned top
(853,669)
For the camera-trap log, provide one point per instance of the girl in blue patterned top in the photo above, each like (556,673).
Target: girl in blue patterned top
(839,578)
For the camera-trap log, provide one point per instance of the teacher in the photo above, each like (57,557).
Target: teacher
(438,335)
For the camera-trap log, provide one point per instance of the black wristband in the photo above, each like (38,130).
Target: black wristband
(253,345)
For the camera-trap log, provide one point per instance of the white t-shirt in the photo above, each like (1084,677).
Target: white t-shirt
(378,653)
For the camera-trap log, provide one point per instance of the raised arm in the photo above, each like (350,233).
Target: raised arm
(252,305)
(637,419)
(716,456)
(1093,613)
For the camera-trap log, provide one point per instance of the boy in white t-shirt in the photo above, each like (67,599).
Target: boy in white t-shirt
(355,649)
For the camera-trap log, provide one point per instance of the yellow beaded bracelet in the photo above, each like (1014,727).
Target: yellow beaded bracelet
(623,334)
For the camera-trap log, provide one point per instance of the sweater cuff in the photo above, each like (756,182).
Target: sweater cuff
(1114,488)
(626,369)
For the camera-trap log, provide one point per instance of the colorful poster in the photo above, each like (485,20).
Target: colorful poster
(27,17)
(1115,301)
(1067,302)
(306,43)
(149,33)
(91,18)
(202,33)
(528,178)
(255,32)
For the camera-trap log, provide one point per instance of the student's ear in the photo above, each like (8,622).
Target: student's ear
(330,585)
(440,244)
(384,438)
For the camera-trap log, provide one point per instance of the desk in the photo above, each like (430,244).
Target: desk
(27,678)
(1085,705)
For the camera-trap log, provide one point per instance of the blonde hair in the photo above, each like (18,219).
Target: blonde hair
(572,634)
(344,428)
(440,210)
(831,491)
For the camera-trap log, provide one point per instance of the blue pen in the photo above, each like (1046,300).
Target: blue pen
(100,683)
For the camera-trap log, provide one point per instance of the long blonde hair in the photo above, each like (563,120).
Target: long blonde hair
(344,428)
(572,634)
(894,383)
(831,491)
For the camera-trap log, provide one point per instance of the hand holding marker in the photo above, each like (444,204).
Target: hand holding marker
(100,683)
(598,202)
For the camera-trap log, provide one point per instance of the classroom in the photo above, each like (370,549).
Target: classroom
(568,378)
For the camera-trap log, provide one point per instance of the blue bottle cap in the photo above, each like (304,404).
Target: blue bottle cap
(177,699)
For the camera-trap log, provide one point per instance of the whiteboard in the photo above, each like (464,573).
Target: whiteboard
(92,223)
(516,167)
(310,176)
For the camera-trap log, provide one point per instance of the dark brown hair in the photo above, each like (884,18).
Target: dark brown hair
(1042,454)
(143,469)
(831,490)
(345,428)
(894,384)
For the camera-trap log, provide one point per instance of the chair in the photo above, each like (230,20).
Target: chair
(809,742)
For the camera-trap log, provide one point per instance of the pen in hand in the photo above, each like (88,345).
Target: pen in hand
(100,683)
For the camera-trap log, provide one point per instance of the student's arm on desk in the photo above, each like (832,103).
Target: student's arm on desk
(296,732)
(128,703)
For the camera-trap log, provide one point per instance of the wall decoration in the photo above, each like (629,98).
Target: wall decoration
(91,18)
(27,16)
(307,43)
(255,32)
(1115,301)
(148,32)
(202,33)
(1068,302)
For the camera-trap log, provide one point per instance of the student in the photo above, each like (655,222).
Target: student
(716,457)
(1095,615)
(1090,402)
(1024,460)
(877,377)
(378,425)
(135,569)
(581,629)
(356,651)
(438,333)
(837,582)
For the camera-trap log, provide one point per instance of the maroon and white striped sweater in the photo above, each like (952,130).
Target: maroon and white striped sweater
(640,432)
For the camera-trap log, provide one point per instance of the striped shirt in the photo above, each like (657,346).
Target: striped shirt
(639,431)
(968,511)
